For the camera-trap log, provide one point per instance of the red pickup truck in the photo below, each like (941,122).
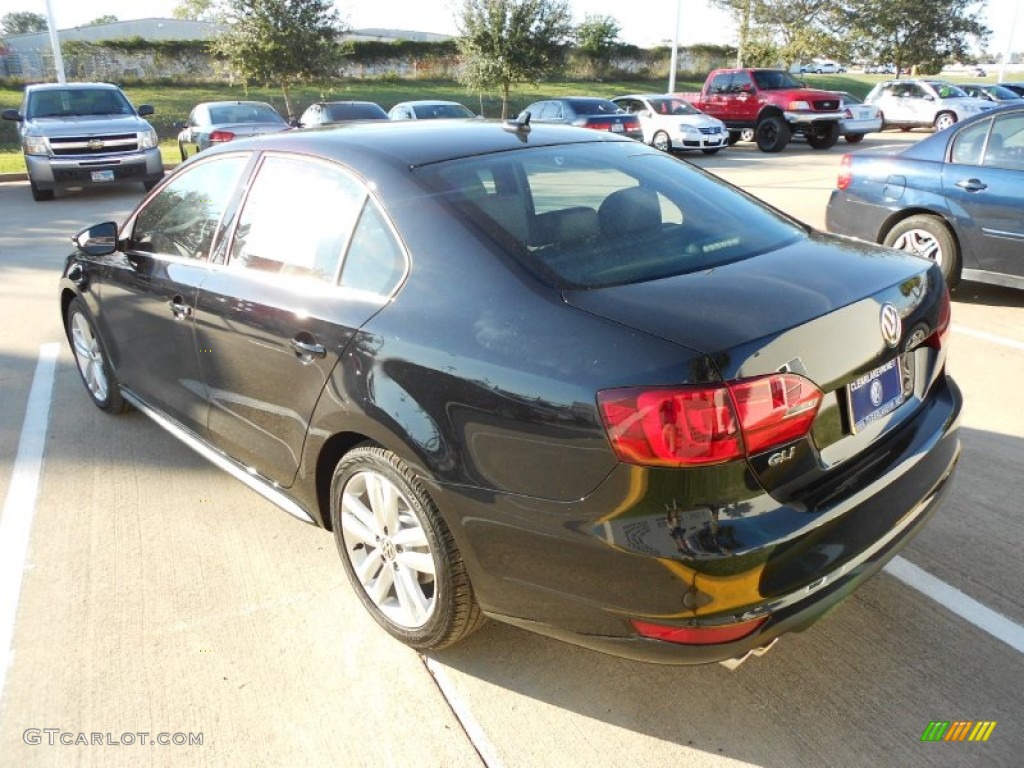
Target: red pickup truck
(771,102)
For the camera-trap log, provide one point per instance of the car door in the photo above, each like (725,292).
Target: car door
(272,325)
(193,128)
(984,183)
(148,293)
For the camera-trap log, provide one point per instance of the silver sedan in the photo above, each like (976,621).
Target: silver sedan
(215,122)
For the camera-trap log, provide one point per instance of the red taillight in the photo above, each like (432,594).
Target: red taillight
(725,633)
(845,172)
(220,136)
(941,332)
(599,126)
(712,424)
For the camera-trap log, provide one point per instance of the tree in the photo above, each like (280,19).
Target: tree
(505,42)
(197,10)
(906,33)
(22,23)
(282,42)
(107,19)
(597,38)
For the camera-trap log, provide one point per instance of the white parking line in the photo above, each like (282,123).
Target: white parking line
(475,732)
(956,601)
(988,337)
(20,504)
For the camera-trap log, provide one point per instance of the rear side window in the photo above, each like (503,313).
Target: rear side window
(374,262)
(297,219)
(590,215)
(969,144)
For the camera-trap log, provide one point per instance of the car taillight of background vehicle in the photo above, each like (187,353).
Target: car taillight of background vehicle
(938,338)
(221,136)
(845,172)
(707,424)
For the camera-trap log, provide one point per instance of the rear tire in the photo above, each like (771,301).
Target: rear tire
(772,134)
(398,552)
(928,236)
(854,138)
(823,136)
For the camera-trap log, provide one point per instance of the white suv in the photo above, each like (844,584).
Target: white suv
(910,104)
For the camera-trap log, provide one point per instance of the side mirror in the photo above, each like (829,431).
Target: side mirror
(12,114)
(97,240)
(146,109)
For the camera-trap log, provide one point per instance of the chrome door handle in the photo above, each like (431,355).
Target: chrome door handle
(972,185)
(307,350)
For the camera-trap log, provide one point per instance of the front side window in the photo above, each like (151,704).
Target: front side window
(182,218)
(587,216)
(297,219)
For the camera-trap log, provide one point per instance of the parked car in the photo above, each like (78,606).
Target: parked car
(858,118)
(330,112)
(990,92)
(910,104)
(823,68)
(216,122)
(532,372)
(84,134)
(587,112)
(429,110)
(881,69)
(669,123)
(956,198)
(1017,88)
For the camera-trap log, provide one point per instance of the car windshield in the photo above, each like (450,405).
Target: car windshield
(225,114)
(438,111)
(775,80)
(849,98)
(1000,93)
(673,107)
(64,102)
(948,91)
(592,215)
(354,112)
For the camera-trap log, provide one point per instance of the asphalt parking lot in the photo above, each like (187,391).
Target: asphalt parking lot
(149,598)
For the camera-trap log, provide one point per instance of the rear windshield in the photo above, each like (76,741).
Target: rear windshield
(441,111)
(67,102)
(594,106)
(597,214)
(670,106)
(355,112)
(226,114)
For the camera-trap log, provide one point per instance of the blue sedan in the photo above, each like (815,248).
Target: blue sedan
(956,197)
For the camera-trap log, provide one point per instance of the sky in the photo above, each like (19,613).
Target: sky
(644,23)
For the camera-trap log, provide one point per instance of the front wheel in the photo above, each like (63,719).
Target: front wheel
(928,236)
(943,120)
(39,195)
(398,552)
(92,363)
(772,134)
(661,141)
(823,136)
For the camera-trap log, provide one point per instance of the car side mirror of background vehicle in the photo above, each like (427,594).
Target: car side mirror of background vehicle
(12,114)
(295,123)
(146,109)
(97,240)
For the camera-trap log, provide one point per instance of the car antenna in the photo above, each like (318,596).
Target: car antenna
(520,124)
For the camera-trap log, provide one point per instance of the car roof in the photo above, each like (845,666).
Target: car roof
(233,102)
(425,102)
(405,144)
(65,86)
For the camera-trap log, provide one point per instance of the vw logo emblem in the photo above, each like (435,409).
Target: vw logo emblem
(892,326)
(876,393)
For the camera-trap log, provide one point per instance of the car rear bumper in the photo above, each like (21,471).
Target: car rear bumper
(848,215)
(79,171)
(873,125)
(580,572)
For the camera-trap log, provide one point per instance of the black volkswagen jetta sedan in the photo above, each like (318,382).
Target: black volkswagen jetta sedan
(550,376)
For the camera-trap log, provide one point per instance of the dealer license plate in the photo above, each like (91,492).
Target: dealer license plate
(876,394)
(617,127)
(102,175)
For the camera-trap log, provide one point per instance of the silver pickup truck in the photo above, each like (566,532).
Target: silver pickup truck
(83,134)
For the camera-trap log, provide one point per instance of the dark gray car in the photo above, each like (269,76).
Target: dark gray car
(83,134)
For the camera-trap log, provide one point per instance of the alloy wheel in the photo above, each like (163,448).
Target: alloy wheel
(89,357)
(920,243)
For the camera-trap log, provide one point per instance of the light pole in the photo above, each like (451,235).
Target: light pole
(674,62)
(1009,44)
(58,60)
